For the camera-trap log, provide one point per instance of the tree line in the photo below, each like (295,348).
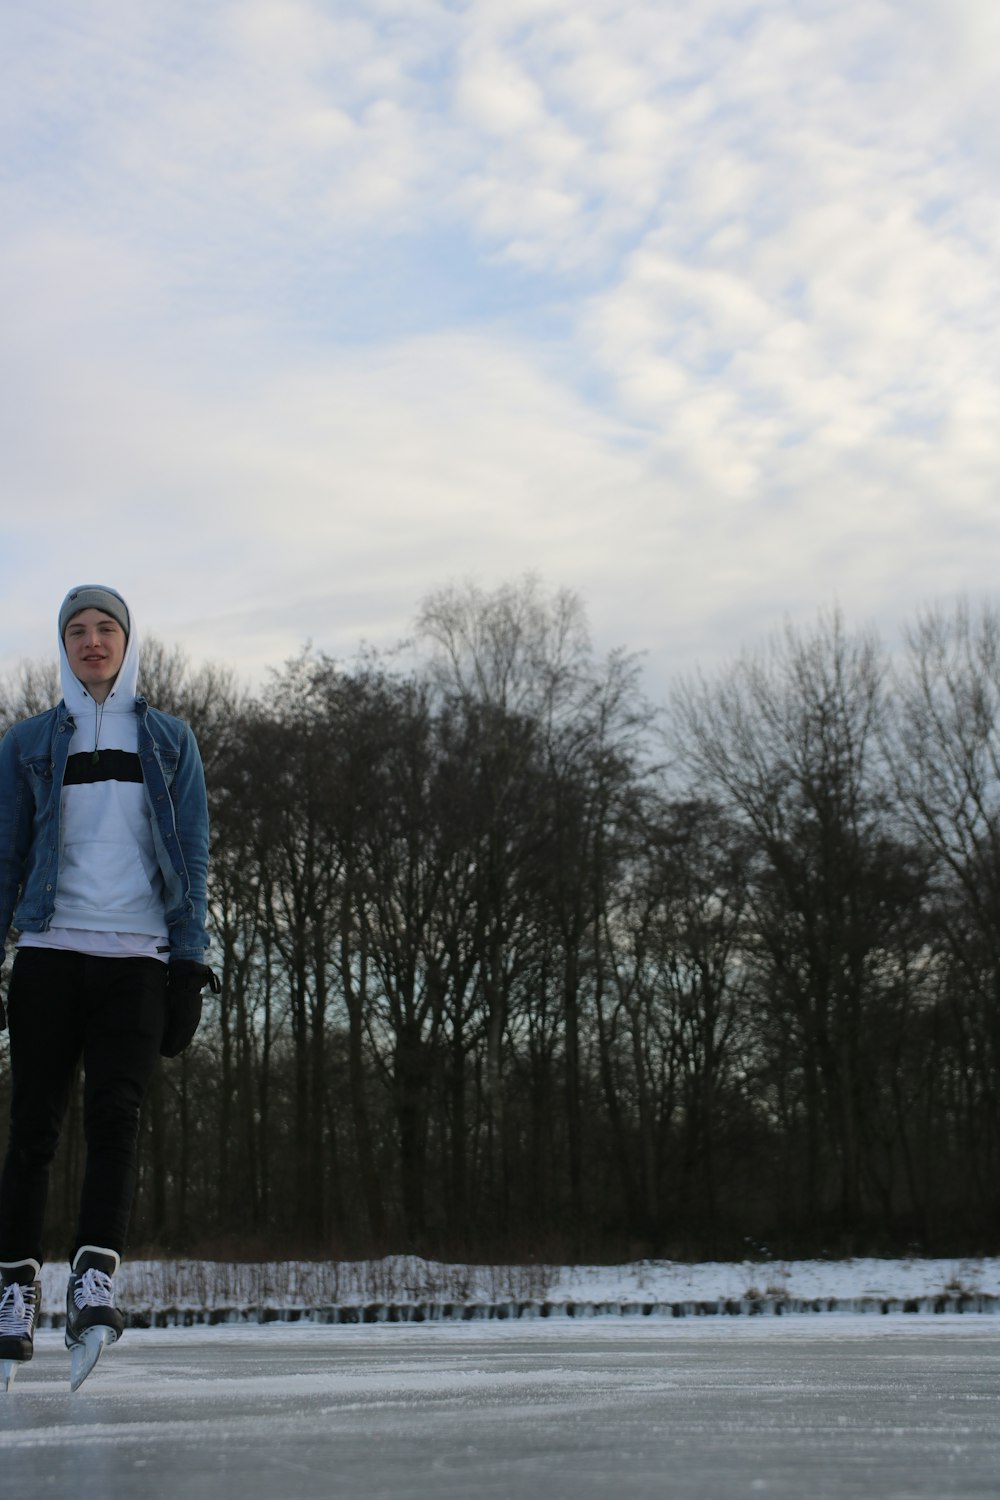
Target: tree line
(516,963)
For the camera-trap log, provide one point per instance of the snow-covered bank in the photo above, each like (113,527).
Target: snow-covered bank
(806,1279)
(409,1289)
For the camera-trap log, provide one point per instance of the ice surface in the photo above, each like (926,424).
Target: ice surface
(812,1408)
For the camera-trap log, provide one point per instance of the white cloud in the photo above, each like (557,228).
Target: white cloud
(496,96)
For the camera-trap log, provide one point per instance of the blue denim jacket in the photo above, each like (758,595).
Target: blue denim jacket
(33,757)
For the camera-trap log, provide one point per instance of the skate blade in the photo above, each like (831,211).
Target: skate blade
(8,1369)
(87,1352)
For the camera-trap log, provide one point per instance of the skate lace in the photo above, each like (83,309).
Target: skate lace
(17,1310)
(94,1289)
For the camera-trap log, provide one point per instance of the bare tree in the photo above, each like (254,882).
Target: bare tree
(790,741)
(945,750)
(31,689)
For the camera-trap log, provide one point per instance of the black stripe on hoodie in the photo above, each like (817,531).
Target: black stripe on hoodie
(108,765)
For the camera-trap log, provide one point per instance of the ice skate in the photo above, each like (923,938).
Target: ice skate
(20,1299)
(92,1320)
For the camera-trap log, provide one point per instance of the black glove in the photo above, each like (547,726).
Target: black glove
(185,982)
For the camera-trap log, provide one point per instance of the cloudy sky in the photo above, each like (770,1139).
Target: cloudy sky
(312,306)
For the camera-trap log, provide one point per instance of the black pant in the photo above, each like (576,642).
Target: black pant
(62,1006)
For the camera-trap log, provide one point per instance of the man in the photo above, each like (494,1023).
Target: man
(103,863)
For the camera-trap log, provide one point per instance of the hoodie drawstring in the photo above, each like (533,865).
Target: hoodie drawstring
(98,717)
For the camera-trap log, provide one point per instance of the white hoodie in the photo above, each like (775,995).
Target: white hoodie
(109,895)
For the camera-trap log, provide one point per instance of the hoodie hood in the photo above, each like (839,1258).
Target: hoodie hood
(121,698)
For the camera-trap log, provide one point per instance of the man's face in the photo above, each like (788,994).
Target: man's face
(95,645)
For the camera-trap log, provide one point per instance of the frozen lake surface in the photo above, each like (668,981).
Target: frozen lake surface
(891,1407)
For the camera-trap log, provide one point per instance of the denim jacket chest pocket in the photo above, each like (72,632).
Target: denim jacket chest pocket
(39,770)
(168,764)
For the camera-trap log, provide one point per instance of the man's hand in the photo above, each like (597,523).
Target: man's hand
(185,982)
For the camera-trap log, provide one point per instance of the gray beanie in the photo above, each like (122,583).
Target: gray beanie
(93,596)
